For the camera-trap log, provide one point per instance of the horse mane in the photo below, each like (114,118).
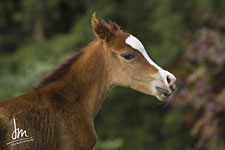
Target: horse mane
(59,71)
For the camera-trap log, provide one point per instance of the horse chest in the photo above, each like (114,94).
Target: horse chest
(79,135)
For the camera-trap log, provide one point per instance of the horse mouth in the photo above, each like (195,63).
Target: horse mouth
(163,91)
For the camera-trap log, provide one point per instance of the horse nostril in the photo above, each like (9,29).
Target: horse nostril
(171,83)
(168,80)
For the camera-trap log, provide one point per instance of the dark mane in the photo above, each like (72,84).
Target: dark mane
(59,71)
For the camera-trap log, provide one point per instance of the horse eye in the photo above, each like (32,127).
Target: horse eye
(128,56)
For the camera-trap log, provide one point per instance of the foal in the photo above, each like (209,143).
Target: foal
(58,113)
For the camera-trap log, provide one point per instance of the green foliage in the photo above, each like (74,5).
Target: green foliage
(111,144)
(35,36)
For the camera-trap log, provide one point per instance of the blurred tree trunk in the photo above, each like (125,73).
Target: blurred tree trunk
(39,34)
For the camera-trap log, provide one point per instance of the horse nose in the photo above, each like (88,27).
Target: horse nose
(171,82)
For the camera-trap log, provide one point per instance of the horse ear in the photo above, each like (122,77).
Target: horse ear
(101,29)
(114,26)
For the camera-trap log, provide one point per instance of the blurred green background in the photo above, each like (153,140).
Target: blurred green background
(185,37)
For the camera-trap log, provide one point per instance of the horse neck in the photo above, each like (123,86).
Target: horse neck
(87,83)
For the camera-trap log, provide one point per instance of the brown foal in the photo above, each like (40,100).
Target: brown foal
(58,114)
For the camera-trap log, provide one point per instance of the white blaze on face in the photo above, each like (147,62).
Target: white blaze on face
(136,44)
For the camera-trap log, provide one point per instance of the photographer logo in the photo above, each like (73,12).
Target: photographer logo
(19,136)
